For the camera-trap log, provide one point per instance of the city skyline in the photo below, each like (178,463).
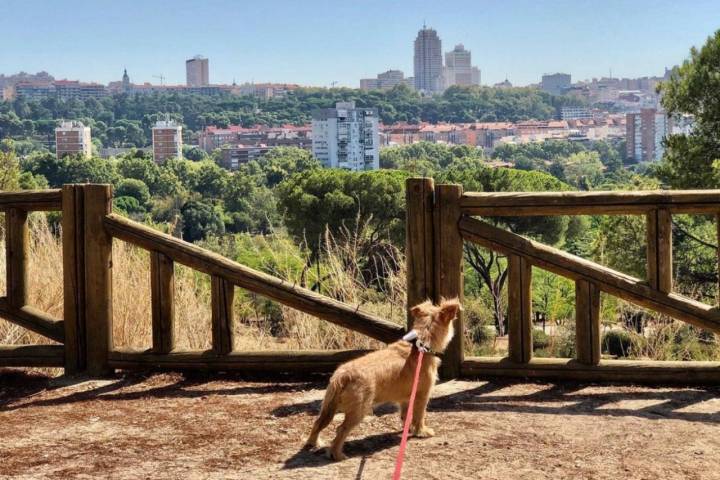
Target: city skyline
(631,40)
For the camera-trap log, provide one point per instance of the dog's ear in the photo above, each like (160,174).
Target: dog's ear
(449,309)
(421,309)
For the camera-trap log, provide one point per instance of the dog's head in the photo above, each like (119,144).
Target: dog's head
(434,323)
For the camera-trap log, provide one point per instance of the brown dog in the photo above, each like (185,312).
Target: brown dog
(386,376)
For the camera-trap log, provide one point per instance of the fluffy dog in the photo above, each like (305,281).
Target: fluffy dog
(386,376)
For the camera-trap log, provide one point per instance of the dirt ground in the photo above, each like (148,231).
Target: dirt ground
(175,426)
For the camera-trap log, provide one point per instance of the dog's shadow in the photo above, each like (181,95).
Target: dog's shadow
(361,447)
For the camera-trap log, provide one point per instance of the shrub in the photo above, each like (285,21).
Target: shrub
(540,340)
(618,343)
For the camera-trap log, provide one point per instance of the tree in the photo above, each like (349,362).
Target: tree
(335,199)
(693,160)
(491,267)
(9,167)
(131,187)
(200,220)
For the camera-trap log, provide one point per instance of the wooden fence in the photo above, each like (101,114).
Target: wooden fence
(439,220)
(442,217)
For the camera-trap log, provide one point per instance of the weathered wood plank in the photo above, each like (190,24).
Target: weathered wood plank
(31,356)
(162,287)
(587,322)
(608,280)
(420,200)
(279,361)
(17,246)
(223,293)
(98,278)
(261,283)
(588,203)
(33,319)
(448,248)
(519,309)
(73,238)
(620,371)
(32,200)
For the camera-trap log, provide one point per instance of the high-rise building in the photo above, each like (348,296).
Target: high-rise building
(125,82)
(346,137)
(555,83)
(73,138)
(644,134)
(459,69)
(197,72)
(167,140)
(383,81)
(428,61)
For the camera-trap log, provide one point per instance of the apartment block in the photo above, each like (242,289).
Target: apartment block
(61,89)
(346,137)
(235,155)
(167,140)
(459,69)
(644,134)
(73,138)
(197,71)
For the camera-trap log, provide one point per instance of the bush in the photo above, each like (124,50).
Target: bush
(540,340)
(618,343)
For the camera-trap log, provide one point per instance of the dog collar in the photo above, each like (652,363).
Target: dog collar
(412,338)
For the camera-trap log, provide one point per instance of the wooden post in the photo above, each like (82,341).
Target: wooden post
(448,248)
(17,244)
(587,322)
(98,278)
(73,238)
(659,250)
(419,196)
(223,293)
(162,285)
(520,326)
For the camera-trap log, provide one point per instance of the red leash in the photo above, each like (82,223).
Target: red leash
(408,420)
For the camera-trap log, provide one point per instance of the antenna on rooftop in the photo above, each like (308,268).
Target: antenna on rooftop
(161,77)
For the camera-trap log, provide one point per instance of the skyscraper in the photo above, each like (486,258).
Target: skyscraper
(459,69)
(428,61)
(197,72)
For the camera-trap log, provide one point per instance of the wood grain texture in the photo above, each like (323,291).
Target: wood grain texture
(419,226)
(17,246)
(73,239)
(34,320)
(98,278)
(162,287)
(223,294)
(519,309)
(31,200)
(31,356)
(448,269)
(261,283)
(616,371)
(587,322)
(283,361)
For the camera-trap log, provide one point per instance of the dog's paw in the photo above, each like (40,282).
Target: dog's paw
(425,432)
(337,456)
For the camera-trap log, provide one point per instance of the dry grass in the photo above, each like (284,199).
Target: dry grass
(259,324)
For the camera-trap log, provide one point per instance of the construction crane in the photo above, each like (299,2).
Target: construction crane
(161,77)
(333,84)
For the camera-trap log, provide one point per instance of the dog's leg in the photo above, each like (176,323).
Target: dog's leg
(327,413)
(419,428)
(403,412)
(353,417)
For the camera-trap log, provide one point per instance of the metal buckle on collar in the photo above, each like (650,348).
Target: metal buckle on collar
(412,338)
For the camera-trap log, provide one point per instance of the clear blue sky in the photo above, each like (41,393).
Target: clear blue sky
(316,42)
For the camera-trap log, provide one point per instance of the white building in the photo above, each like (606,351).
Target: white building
(73,138)
(458,68)
(576,113)
(346,137)
(197,72)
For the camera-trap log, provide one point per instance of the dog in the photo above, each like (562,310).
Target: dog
(386,376)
